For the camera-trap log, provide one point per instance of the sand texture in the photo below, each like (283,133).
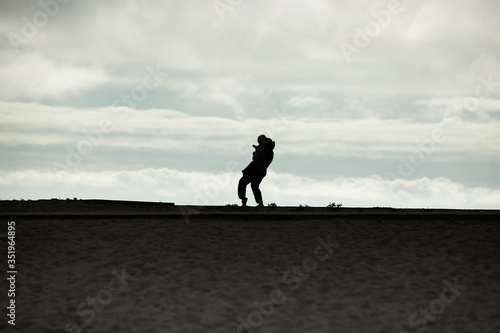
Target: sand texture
(206,275)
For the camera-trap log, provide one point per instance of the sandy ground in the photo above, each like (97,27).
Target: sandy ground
(222,275)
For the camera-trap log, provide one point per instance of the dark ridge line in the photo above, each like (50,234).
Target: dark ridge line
(254,216)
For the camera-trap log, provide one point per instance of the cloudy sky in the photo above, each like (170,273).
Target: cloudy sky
(371,103)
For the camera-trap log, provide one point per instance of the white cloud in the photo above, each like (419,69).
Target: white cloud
(306,101)
(34,77)
(284,189)
(173,130)
(224,90)
(294,45)
(483,104)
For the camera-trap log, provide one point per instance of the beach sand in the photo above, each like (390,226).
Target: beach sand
(221,274)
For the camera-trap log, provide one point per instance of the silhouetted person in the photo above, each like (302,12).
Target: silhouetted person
(256,170)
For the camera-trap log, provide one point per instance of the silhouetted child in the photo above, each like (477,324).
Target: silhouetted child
(258,149)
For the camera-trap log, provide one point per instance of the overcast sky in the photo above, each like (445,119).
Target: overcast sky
(371,103)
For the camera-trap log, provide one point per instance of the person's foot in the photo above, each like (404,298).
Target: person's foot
(244,202)
(260,205)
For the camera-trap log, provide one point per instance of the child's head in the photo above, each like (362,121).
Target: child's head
(259,147)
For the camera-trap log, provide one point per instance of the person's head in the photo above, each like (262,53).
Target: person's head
(262,139)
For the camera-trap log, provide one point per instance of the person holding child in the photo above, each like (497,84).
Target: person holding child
(256,170)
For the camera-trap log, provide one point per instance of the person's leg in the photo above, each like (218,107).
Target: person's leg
(242,188)
(255,188)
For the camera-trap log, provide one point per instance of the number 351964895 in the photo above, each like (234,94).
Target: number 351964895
(11,236)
